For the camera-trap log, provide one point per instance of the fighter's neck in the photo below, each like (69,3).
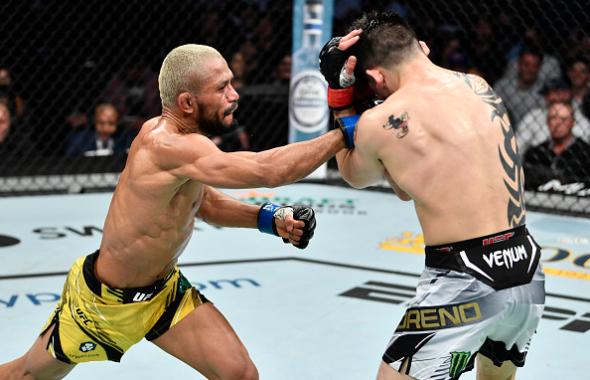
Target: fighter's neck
(181,124)
(417,69)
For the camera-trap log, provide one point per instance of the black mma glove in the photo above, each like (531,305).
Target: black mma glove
(340,84)
(269,212)
(345,90)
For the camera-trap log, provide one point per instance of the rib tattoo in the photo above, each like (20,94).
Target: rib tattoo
(508,151)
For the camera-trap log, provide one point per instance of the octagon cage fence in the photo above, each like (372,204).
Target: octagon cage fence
(65,68)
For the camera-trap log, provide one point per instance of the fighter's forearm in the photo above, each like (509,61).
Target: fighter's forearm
(292,162)
(222,210)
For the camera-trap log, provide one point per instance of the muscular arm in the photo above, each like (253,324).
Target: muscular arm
(360,167)
(196,157)
(222,210)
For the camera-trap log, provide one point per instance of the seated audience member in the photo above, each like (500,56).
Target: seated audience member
(563,156)
(521,93)
(100,140)
(532,130)
(262,101)
(9,96)
(578,73)
(134,93)
(4,124)
(237,65)
(14,141)
(550,66)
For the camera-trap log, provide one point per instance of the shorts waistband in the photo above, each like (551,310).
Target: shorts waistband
(477,242)
(124,296)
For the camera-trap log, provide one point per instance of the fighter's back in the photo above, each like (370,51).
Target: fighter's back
(456,159)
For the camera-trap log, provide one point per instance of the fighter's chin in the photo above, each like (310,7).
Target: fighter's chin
(228,120)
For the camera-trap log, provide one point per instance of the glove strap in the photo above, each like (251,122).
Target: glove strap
(340,98)
(347,125)
(266,218)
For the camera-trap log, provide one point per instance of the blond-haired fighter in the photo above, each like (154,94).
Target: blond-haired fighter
(131,287)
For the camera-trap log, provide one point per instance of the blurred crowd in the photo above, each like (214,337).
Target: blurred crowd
(544,82)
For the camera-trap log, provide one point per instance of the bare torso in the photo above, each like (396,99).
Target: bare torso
(150,219)
(457,160)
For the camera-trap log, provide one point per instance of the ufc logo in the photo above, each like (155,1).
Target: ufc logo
(142,296)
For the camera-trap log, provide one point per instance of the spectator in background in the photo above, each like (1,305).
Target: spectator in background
(8,96)
(549,66)
(486,50)
(532,130)
(521,93)
(249,51)
(260,102)
(4,123)
(237,64)
(134,93)
(454,57)
(100,140)
(578,73)
(578,43)
(14,142)
(563,156)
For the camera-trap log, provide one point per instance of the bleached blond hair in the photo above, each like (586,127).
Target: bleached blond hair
(180,70)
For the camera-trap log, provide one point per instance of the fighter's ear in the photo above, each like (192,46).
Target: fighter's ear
(424,47)
(376,77)
(186,102)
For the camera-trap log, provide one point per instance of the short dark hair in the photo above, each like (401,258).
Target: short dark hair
(585,59)
(532,50)
(387,39)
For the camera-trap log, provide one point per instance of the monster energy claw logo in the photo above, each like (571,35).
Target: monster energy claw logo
(459,361)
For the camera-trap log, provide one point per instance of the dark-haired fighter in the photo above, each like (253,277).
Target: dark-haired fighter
(442,139)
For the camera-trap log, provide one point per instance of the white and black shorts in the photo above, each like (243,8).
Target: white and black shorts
(483,295)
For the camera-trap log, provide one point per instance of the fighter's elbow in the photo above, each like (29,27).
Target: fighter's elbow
(355,182)
(403,196)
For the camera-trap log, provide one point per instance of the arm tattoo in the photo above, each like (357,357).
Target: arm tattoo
(398,123)
(507,152)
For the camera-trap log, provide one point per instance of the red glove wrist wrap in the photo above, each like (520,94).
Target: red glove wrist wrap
(341,98)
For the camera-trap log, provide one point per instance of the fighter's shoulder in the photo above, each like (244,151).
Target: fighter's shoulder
(472,80)
(172,149)
(395,104)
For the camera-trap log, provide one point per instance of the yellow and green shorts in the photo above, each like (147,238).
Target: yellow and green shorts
(94,322)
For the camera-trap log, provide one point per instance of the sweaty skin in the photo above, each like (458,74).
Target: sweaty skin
(151,216)
(169,178)
(442,139)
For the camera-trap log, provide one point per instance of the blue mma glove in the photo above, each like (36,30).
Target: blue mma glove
(347,125)
(269,211)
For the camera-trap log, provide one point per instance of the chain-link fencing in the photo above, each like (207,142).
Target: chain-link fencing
(79,78)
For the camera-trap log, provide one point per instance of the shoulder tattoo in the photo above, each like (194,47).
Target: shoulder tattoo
(400,124)
(507,150)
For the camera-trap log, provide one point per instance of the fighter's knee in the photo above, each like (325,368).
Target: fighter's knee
(13,370)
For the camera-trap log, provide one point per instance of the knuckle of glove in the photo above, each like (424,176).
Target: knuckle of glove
(332,60)
(306,214)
